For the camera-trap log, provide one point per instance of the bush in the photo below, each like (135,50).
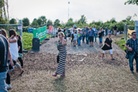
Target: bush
(27,40)
(121,44)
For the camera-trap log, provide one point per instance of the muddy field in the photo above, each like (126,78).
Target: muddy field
(85,71)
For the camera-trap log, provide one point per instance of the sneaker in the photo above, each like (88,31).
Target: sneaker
(112,59)
(9,86)
(54,75)
(62,76)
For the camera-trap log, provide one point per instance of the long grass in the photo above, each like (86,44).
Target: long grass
(27,40)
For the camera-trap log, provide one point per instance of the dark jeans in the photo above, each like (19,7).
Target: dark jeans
(87,39)
(2,82)
(83,37)
(8,79)
(131,59)
(79,41)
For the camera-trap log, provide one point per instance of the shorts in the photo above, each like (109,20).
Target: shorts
(111,51)
(91,38)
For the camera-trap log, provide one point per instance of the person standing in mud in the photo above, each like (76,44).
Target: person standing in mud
(61,46)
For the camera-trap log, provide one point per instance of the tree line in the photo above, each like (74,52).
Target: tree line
(82,22)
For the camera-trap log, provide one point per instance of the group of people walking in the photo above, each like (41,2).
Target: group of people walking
(86,35)
(89,33)
(10,52)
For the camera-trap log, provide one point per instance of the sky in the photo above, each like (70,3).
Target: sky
(94,10)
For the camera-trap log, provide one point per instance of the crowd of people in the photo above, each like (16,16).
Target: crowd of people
(10,53)
(11,50)
(78,37)
(88,36)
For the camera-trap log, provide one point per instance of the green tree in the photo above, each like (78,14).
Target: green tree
(113,20)
(26,22)
(2,21)
(35,23)
(42,21)
(39,21)
(70,23)
(120,26)
(128,18)
(57,23)
(135,2)
(3,12)
(49,22)
(82,20)
(13,21)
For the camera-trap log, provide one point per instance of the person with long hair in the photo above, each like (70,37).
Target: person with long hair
(61,46)
(14,48)
(20,50)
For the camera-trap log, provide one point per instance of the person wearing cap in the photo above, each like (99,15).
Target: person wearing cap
(108,46)
(132,51)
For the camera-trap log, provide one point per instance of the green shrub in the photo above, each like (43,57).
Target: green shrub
(27,40)
(121,44)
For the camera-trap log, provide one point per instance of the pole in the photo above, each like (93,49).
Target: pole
(136,27)
(68,9)
(20,27)
(125,32)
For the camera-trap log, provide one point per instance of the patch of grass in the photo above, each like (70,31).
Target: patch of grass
(121,43)
(27,40)
(48,35)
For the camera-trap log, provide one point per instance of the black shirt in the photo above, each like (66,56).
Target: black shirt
(20,45)
(3,54)
(109,42)
(101,34)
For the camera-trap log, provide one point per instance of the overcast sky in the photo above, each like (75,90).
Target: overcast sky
(94,10)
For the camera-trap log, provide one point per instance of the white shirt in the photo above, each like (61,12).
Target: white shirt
(14,50)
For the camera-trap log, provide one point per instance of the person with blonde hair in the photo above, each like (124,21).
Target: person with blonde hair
(61,46)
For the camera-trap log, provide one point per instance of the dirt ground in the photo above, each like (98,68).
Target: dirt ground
(85,71)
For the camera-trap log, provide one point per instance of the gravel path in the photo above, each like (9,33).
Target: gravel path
(50,47)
